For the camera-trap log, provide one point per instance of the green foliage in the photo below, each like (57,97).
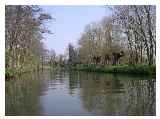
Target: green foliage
(130,29)
(9,73)
(137,69)
(24,46)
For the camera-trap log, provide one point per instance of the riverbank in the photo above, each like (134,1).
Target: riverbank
(126,69)
(123,69)
(11,73)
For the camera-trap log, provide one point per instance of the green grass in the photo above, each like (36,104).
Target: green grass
(137,69)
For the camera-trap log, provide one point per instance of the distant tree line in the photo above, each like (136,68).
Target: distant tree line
(128,36)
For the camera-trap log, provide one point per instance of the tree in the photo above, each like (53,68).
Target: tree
(52,55)
(130,29)
(72,55)
(24,27)
(138,23)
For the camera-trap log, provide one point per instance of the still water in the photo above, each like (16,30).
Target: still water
(80,93)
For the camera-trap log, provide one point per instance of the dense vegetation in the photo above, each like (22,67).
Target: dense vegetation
(134,69)
(124,41)
(126,38)
(24,47)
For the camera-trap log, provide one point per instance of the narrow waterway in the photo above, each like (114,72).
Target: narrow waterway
(63,92)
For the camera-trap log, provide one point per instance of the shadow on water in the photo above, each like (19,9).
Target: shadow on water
(63,92)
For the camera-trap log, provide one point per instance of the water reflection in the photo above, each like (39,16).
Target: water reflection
(22,95)
(80,93)
(117,95)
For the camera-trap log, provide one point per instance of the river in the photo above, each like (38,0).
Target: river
(63,93)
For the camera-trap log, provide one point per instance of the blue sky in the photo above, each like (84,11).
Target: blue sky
(69,24)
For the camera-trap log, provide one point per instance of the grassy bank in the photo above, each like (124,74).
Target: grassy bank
(137,69)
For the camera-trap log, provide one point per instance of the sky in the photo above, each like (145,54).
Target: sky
(69,24)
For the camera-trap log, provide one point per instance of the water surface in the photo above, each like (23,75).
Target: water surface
(80,93)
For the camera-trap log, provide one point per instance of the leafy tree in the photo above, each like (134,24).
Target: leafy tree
(24,27)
